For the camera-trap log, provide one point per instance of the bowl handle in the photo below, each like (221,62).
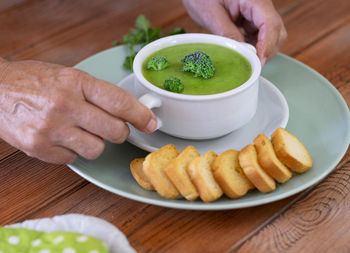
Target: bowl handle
(151,101)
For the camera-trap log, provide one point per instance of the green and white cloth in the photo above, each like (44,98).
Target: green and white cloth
(71,233)
(21,240)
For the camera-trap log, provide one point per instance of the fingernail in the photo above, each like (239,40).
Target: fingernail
(151,126)
(263,61)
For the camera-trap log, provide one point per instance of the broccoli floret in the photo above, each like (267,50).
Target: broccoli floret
(173,84)
(200,64)
(157,63)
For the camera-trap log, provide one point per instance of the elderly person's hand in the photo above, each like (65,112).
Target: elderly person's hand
(253,21)
(55,113)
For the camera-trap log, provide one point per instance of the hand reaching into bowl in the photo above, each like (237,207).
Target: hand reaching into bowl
(56,113)
(253,21)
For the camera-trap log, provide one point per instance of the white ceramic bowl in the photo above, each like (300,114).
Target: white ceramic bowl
(199,116)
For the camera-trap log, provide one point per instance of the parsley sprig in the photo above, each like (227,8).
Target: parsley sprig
(139,36)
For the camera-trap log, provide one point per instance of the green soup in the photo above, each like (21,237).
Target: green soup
(231,69)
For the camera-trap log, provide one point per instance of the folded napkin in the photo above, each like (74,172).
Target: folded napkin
(70,233)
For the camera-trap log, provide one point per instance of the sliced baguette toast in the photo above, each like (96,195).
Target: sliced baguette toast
(229,174)
(136,168)
(291,151)
(202,177)
(268,160)
(176,171)
(248,160)
(154,166)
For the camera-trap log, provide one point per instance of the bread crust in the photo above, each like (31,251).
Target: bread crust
(287,148)
(230,176)
(202,177)
(268,160)
(154,166)
(176,171)
(249,162)
(136,168)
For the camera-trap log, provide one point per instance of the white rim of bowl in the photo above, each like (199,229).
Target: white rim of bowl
(195,38)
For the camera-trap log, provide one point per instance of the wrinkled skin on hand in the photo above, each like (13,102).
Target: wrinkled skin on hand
(253,21)
(56,113)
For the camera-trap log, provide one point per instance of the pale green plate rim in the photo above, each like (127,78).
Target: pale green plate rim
(81,165)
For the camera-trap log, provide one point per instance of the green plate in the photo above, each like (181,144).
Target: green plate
(319,117)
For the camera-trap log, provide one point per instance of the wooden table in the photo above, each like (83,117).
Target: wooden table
(66,32)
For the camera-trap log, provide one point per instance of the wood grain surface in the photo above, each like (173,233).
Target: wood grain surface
(66,32)
(315,220)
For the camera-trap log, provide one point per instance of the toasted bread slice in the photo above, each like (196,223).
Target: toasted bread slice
(202,177)
(268,160)
(154,165)
(248,160)
(291,151)
(229,174)
(136,168)
(176,171)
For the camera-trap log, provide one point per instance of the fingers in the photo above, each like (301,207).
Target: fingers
(80,142)
(59,155)
(271,31)
(119,103)
(270,38)
(54,154)
(100,123)
(213,16)
(220,23)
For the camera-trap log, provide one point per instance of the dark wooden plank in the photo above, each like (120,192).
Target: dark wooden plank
(79,29)
(6,5)
(28,185)
(286,6)
(330,57)
(310,21)
(37,20)
(316,223)
(6,149)
(156,229)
